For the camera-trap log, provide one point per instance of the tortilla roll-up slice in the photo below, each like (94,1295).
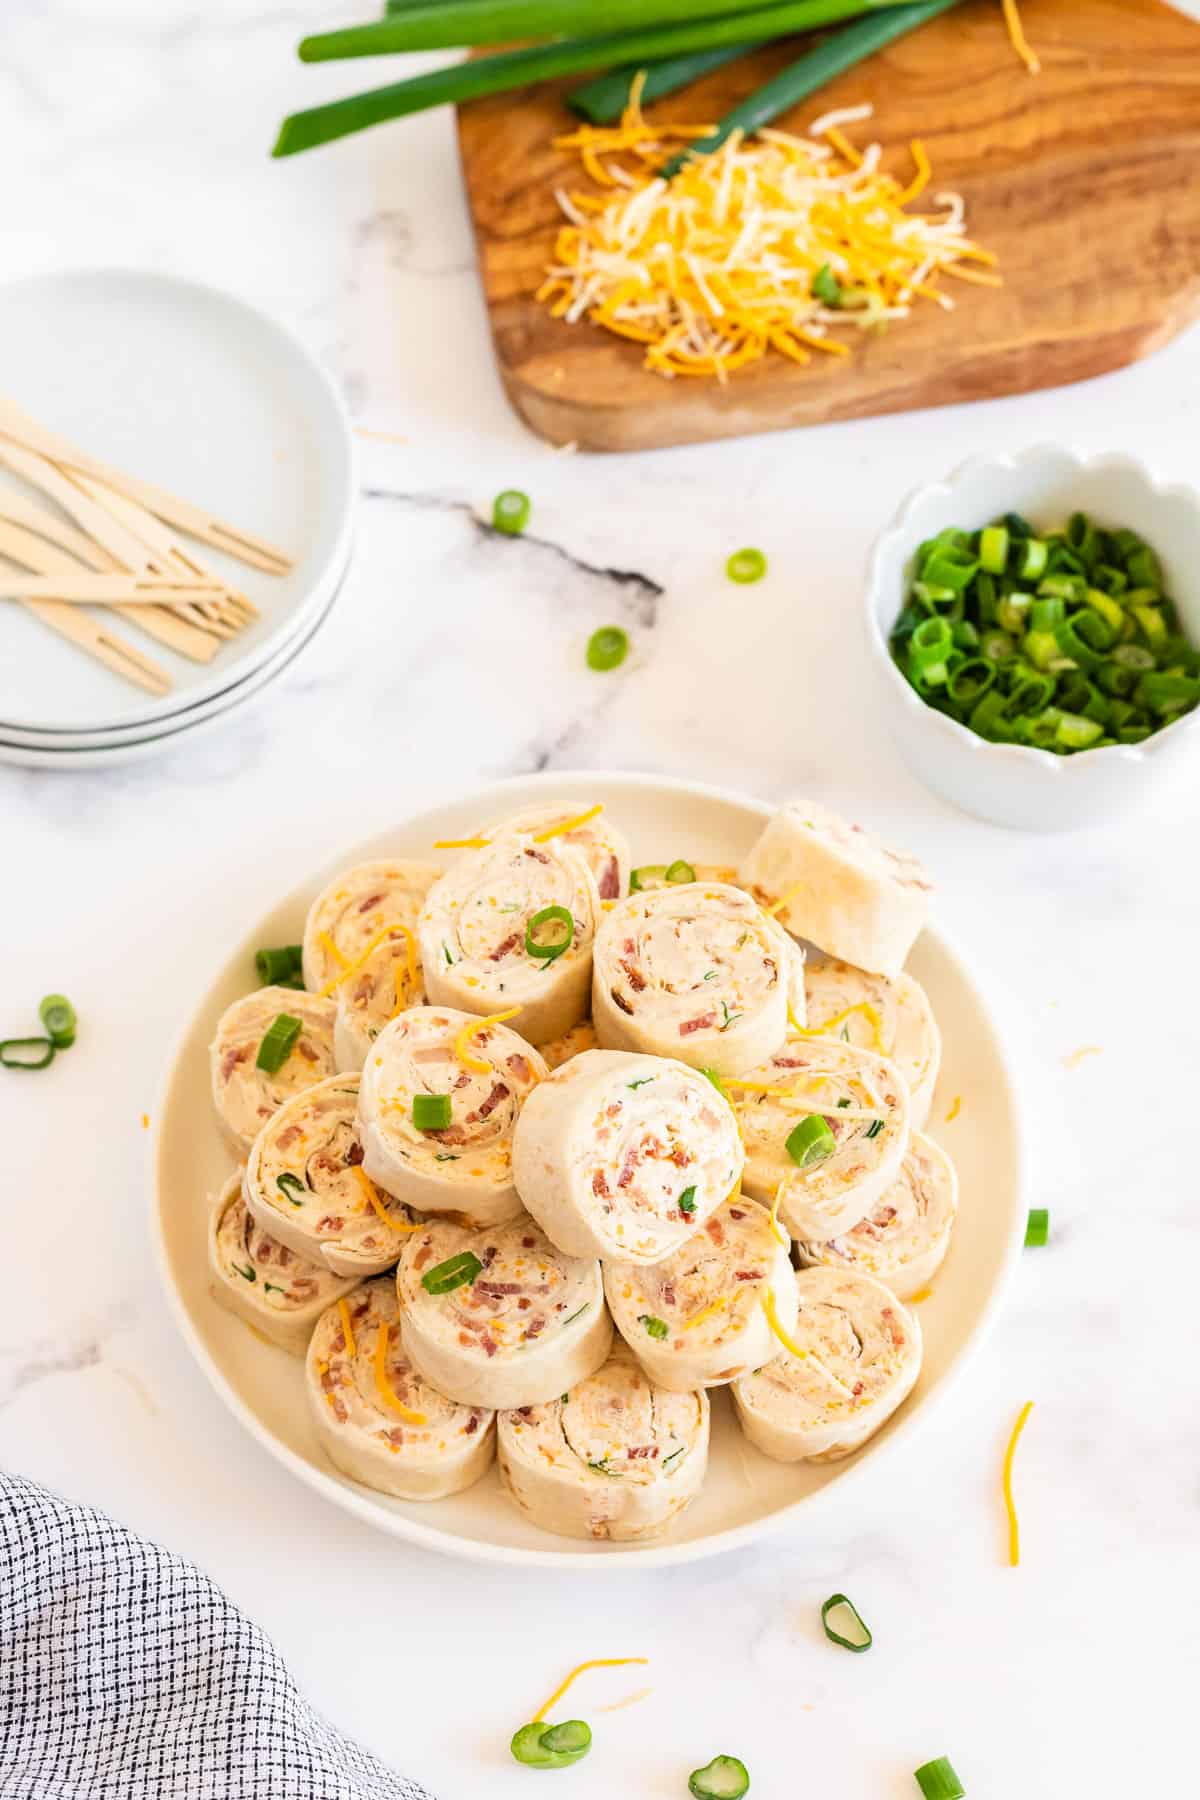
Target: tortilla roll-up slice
(246,1096)
(603,845)
(624,1156)
(382,985)
(348,916)
(835,885)
(903,1240)
(376,1419)
(481,950)
(892,1017)
(529,1325)
(304,1184)
(695,971)
(279,1294)
(615,1457)
(572,1043)
(697,1320)
(861,1355)
(465,1166)
(845,1115)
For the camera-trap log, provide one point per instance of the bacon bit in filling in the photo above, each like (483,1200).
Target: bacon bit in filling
(610,882)
(701,1024)
(502,950)
(620,1002)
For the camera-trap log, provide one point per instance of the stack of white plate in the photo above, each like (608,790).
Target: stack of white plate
(197,392)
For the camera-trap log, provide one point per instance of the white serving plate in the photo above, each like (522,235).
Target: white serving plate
(160,735)
(745,1493)
(199,392)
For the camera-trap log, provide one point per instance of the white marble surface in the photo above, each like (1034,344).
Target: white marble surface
(140,130)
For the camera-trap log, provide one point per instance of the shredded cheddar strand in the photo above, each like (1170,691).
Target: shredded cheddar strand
(372,1194)
(328,944)
(347,1329)
(785,899)
(351,968)
(860,1006)
(475,1063)
(601,1662)
(384,1387)
(920,180)
(1014,1530)
(776,1227)
(468,843)
(543,837)
(1016,31)
(794,1349)
(955,1108)
(706,1312)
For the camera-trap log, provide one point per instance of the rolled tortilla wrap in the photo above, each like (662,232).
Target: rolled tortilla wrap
(464,1168)
(695,971)
(891,1017)
(864,1103)
(862,1355)
(529,1325)
(388,981)
(476,932)
(696,1320)
(625,1156)
(561,1049)
(904,1238)
(246,1096)
(281,1295)
(348,916)
(305,1185)
(377,1420)
(603,845)
(837,886)
(614,1458)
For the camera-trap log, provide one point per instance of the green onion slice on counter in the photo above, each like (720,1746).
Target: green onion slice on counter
(510,511)
(279,967)
(58,1016)
(564,927)
(862,1640)
(278,1042)
(655,1328)
(455,1272)
(810,1142)
(26,1053)
(687,1201)
(680,872)
(724,1778)
(746,565)
(542,1746)
(607,648)
(286,1183)
(431,1112)
(937,1780)
(1037,1228)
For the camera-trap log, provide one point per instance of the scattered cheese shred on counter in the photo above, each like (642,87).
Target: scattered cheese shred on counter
(1081,1055)
(716,267)
(1020,43)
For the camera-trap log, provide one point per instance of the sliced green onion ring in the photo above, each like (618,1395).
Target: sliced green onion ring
(455,1272)
(937,1780)
(58,1016)
(510,511)
(680,872)
(746,565)
(655,1328)
(607,648)
(687,1201)
(649,872)
(17,1053)
(556,916)
(811,1141)
(279,1040)
(280,966)
(1037,1228)
(724,1778)
(431,1112)
(287,1182)
(858,1644)
(572,1738)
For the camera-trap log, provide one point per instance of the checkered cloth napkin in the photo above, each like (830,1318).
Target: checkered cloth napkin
(126,1675)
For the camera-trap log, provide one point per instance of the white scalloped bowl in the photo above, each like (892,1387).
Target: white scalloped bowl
(1008,783)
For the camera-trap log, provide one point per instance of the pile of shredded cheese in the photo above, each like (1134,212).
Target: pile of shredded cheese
(715,268)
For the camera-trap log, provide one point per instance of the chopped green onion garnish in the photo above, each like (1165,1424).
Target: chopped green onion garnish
(993,549)
(862,1640)
(810,1142)
(724,1778)
(647,874)
(286,1183)
(874,1128)
(572,1738)
(563,937)
(655,1328)
(510,511)
(431,1112)
(937,1780)
(687,1200)
(58,1016)
(26,1053)
(825,286)
(713,1076)
(455,1272)
(745,566)
(279,967)
(680,872)
(278,1042)
(607,648)
(1037,1228)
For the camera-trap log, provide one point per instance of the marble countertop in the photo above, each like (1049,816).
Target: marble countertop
(144,142)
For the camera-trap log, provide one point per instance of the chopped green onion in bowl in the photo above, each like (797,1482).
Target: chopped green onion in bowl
(1061,640)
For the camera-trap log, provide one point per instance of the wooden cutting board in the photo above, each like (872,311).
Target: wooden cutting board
(1084,180)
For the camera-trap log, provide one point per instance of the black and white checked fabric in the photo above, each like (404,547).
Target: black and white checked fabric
(126,1675)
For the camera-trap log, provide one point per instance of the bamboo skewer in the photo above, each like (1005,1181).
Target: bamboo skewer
(20,429)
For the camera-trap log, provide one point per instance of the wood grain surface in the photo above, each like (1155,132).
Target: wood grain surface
(1084,180)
